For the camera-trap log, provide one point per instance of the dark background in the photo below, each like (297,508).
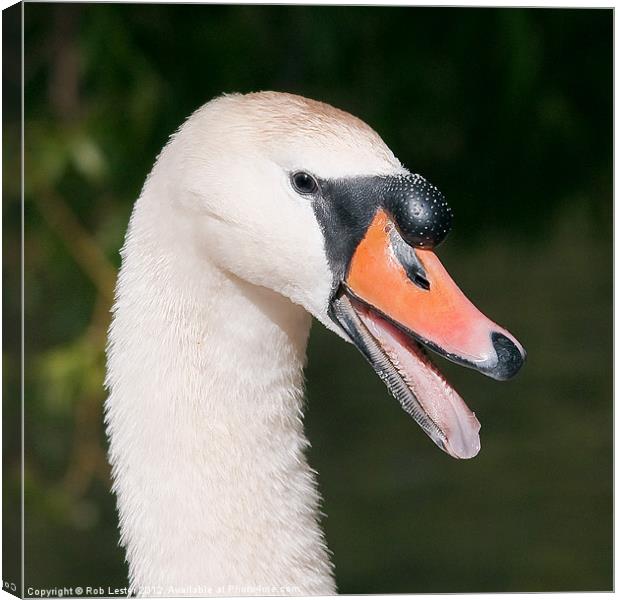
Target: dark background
(508,111)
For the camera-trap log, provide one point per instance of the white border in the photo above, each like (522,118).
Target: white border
(453,3)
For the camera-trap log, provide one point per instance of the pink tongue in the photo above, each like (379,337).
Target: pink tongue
(440,401)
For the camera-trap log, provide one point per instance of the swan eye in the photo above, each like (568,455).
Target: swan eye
(304,183)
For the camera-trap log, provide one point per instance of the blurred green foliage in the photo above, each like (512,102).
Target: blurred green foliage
(508,111)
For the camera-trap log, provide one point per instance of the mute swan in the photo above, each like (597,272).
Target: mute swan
(261,211)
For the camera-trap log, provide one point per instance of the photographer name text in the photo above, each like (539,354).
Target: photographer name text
(78,590)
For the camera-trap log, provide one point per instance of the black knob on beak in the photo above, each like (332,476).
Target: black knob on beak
(419,210)
(509,357)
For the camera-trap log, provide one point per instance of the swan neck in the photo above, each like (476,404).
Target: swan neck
(204,418)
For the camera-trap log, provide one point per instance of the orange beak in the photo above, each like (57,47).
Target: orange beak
(396,296)
(441,317)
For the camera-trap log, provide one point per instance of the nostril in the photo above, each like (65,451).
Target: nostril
(422,282)
(409,261)
(509,357)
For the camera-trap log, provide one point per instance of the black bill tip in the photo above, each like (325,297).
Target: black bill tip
(509,358)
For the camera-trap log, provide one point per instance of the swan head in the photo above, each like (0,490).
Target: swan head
(307,200)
